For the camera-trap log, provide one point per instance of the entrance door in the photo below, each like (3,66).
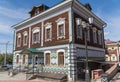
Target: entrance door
(80,70)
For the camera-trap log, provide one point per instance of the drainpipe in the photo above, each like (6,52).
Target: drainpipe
(72,40)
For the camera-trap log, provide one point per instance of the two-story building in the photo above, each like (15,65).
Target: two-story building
(112,51)
(52,37)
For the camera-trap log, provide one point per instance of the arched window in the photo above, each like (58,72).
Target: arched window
(48,31)
(19,40)
(36,35)
(17,59)
(61,59)
(25,38)
(113,58)
(47,58)
(95,35)
(107,58)
(60,28)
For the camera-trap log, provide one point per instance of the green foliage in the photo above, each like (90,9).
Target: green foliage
(8,59)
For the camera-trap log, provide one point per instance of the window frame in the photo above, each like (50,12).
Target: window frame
(60,21)
(25,34)
(19,40)
(48,26)
(79,31)
(100,37)
(94,35)
(35,31)
(47,62)
(59,51)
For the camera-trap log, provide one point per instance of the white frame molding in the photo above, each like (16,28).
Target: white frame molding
(25,33)
(45,57)
(18,36)
(100,37)
(48,25)
(60,21)
(60,50)
(94,35)
(35,30)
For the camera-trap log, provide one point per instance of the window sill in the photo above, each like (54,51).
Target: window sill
(78,37)
(47,40)
(60,37)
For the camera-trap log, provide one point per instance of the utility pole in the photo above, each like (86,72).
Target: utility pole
(6,53)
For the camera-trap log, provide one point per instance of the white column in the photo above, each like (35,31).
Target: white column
(29,37)
(42,36)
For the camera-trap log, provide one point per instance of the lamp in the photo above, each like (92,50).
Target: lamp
(78,21)
(85,26)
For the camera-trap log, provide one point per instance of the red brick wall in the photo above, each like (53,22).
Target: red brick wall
(22,46)
(38,44)
(79,41)
(54,41)
(54,30)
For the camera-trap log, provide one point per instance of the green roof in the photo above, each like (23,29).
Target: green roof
(31,51)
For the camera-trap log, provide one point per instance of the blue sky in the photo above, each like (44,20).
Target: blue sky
(15,11)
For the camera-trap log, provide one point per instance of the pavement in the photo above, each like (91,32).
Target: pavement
(17,78)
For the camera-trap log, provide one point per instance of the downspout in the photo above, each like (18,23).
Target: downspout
(72,34)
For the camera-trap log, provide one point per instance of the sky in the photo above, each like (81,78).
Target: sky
(15,11)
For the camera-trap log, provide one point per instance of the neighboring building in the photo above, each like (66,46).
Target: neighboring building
(52,37)
(112,51)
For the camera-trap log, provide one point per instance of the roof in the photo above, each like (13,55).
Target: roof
(56,7)
(31,50)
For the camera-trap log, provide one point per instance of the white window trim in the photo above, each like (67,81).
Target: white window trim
(48,26)
(108,58)
(61,50)
(25,34)
(60,21)
(95,38)
(113,56)
(35,30)
(19,36)
(100,36)
(37,11)
(45,57)
(81,37)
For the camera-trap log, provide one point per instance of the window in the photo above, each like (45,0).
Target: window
(88,34)
(107,58)
(60,28)
(17,59)
(19,40)
(94,35)
(37,11)
(100,37)
(23,59)
(47,59)
(48,31)
(79,32)
(36,36)
(25,38)
(61,59)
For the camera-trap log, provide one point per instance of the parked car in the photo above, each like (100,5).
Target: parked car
(5,67)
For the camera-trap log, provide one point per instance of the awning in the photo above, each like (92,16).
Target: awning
(31,51)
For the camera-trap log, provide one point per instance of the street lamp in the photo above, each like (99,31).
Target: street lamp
(6,53)
(85,26)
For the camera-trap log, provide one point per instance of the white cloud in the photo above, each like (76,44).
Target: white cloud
(112,31)
(14,13)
